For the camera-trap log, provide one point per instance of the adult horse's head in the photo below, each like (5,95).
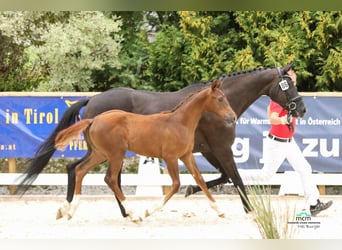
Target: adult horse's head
(284,91)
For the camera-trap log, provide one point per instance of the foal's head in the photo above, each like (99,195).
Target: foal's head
(219,104)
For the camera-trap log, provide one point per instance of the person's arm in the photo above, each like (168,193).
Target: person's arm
(275,119)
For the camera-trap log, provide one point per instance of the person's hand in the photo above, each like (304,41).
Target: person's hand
(286,119)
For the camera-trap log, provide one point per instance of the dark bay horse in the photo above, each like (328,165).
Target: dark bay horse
(167,135)
(212,138)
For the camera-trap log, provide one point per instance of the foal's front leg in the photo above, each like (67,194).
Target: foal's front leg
(172,167)
(190,163)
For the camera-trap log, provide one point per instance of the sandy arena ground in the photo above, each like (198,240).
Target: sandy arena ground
(98,217)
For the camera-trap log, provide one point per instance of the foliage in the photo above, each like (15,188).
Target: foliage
(165,50)
(67,46)
(272,220)
(310,39)
(196,50)
(86,42)
(12,67)
(132,56)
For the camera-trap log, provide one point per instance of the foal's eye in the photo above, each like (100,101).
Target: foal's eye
(220,99)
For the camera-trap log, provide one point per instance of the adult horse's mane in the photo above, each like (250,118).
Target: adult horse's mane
(242,72)
(206,83)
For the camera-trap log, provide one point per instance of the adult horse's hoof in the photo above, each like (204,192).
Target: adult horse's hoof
(247,210)
(189,190)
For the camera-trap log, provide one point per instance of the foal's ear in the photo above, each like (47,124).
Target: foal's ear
(216,84)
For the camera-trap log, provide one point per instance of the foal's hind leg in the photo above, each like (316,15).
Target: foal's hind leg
(64,209)
(84,166)
(190,163)
(112,180)
(122,208)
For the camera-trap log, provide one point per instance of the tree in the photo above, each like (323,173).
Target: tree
(132,56)
(138,31)
(14,76)
(81,51)
(328,57)
(198,49)
(311,39)
(65,47)
(205,45)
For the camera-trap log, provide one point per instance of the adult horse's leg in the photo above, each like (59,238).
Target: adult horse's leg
(190,163)
(218,139)
(192,189)
(229,174)
(229,168)
(172,167)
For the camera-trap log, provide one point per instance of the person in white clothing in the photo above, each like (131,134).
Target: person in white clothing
(280,145)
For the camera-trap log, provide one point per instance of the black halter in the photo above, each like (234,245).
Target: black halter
(291,104)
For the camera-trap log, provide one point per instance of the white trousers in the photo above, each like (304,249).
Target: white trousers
(275,153)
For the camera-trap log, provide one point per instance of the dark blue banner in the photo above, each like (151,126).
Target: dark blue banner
(26,121)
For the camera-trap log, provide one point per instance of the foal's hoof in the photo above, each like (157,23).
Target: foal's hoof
(147,213)
(136,219)
(189,190)
(221,215)
(59,214)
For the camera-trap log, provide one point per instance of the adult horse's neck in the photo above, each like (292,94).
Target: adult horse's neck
(244,88)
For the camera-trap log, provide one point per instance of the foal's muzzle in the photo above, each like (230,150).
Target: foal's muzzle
(231,119)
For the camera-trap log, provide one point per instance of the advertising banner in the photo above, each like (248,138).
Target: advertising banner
(318,134)
(26,121)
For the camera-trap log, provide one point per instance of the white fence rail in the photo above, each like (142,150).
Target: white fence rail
(149,179)
(288,181)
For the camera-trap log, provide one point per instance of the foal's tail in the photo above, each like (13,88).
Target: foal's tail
(47,149)
(66,135)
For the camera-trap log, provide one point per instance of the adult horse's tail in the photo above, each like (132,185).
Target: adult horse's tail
(47,149)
